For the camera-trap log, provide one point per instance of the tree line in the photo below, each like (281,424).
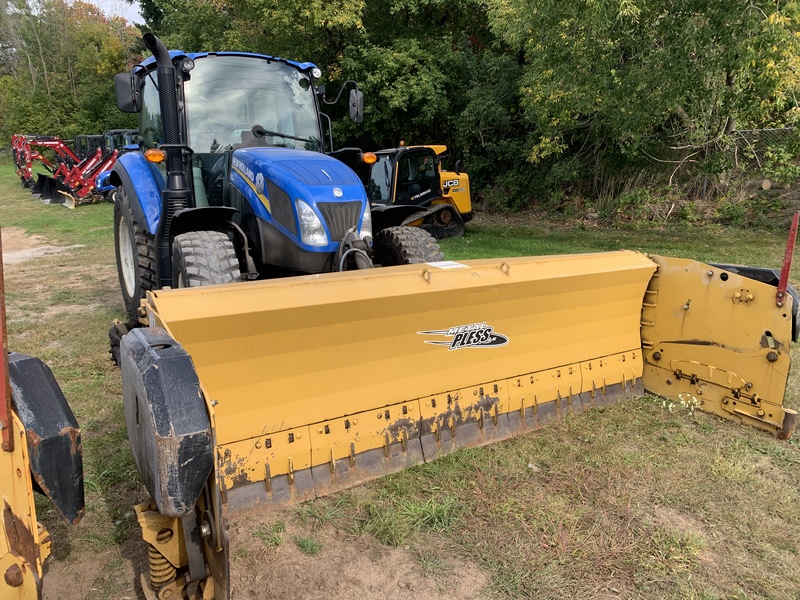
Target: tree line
(536,97)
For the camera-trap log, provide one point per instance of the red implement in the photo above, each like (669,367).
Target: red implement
(6,423)
(783,283)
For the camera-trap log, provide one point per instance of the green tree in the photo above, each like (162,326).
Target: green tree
(636,77)
(63,64)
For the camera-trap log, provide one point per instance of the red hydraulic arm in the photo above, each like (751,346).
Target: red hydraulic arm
(783,282)
(6,423)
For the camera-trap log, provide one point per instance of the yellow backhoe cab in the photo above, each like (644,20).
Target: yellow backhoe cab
(409,179)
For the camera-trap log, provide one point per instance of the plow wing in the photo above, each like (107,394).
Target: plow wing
(315,384)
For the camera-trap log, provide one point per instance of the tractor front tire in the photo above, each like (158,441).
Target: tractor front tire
(136,256)
(404,246)
(203,258)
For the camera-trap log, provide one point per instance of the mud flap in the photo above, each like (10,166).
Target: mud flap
(53,435)
(168,424)
(716,340)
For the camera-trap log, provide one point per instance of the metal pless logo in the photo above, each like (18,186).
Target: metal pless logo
(476,335)
(337,192)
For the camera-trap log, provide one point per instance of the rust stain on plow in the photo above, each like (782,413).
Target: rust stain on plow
(20,538)
(74,436)
(33,439)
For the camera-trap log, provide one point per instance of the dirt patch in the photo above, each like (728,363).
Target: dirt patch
(345,568)
(669,517)
(19,247)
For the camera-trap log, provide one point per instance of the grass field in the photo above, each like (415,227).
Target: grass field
(633,501)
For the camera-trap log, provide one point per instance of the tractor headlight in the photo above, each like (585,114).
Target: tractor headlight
(366,223)
(312,231)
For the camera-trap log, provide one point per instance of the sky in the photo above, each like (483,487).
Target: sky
(115,8)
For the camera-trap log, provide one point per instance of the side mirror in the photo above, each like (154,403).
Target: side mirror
(458,167)
(356,106)
(129,89)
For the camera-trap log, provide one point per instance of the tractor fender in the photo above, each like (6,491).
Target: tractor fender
(53,435)
(214,218)
(143,183)
(206,218)
(168,422)
(386,215)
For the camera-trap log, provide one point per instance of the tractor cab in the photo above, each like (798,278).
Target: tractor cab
(404,176)
(119,139)
(87,145)
(408,184)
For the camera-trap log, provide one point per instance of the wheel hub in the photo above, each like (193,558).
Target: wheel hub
(126,258)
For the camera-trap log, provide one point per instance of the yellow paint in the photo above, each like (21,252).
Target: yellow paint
(285,356)
(261,196)
(705,342)
(16,492)
(312,371)
(458,196)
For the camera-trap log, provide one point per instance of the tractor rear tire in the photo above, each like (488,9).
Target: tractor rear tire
(405,246)
(203,258)
(136,256)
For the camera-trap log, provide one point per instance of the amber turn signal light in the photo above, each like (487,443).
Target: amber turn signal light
(155,155)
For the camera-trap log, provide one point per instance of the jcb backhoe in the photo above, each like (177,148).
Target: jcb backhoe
(409,181)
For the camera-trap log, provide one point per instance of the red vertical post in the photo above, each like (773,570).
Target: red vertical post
(6,423)
(783,283)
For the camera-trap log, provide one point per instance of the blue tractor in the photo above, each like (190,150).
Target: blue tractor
(234,178)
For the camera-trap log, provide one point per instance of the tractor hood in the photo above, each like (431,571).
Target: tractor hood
(300,174)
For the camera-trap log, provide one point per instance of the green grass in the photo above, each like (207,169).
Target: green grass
(308,545)
(272,536)
(631,501)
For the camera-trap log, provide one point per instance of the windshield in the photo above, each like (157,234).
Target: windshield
(380,180)
(227,95)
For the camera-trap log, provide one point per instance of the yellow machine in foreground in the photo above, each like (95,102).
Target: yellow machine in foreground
(40,449)
(272,392)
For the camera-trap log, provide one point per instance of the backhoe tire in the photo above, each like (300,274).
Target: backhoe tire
(136,256)
(445,223)
(203,258)
(404,246)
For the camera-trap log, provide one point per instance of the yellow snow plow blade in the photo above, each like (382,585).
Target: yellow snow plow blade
(273,392)
(318,383)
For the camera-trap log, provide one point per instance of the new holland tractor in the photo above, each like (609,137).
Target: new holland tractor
(233,180)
